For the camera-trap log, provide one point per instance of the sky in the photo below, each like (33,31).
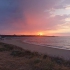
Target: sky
(33,17)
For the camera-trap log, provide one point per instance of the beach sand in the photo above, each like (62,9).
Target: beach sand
(55,52)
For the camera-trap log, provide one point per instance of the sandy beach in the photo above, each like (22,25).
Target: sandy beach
(55,52)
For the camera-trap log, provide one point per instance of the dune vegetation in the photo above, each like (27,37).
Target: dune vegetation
(16,58)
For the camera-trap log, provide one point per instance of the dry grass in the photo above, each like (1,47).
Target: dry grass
(15,58)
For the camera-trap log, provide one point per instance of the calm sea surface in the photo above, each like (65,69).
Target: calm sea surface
(57,42)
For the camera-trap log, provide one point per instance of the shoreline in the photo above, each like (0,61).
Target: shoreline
(48,46)
(54,52)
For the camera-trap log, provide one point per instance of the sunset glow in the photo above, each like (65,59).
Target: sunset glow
(35,17)
(40,33)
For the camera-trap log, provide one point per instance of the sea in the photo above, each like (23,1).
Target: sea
(55,42)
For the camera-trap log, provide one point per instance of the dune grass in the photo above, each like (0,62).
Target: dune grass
(16,58)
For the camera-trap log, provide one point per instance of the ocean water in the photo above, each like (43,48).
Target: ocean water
(55,42)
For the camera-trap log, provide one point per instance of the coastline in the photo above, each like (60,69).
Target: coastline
(54,52)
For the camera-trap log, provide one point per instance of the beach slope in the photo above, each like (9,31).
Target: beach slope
(55,52)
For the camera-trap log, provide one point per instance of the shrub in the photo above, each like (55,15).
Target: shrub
(2,43)
(57,60)
(45,56)
(35,53)
(37,60)
(27,52)
(67,63)
(8,47)
(2,49)
(17,53)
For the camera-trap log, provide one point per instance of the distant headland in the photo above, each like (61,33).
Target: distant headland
(25,36)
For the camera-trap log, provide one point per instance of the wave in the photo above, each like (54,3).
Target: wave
(45,45)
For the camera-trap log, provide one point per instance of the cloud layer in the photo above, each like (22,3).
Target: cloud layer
(33,16)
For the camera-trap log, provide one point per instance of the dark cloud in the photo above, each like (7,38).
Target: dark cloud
(8,10)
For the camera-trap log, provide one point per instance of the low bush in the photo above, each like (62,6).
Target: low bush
(2,49)
(8,47)
(17,53)
(28,52)
(57,60)
(45,56)
(37,61)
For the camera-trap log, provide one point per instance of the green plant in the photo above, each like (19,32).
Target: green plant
(17,53)
(45,56)
(37,60)
(57,60)
(2,49)
(8,47)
